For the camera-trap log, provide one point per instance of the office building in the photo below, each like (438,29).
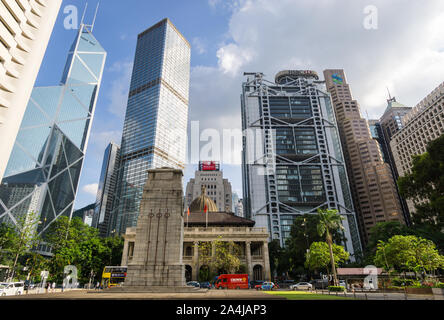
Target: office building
(292,158)
(217,188)
(423,124)
(24,32)
(373,187)
(106,190)
(155,127)
(239,209)
(86,214)
(44,168)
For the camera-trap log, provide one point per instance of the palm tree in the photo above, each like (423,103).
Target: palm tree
(330,221)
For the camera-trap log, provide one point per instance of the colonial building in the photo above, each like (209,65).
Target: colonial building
(201,226)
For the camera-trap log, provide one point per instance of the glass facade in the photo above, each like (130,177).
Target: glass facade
(155,128)
(307,170)
(43,171)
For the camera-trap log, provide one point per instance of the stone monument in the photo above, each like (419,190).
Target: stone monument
(157,262)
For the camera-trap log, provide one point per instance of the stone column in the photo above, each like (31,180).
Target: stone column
(266,261)
(249,262)
(125,253)
(195,276)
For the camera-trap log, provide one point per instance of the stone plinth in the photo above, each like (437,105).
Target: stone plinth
(157,262)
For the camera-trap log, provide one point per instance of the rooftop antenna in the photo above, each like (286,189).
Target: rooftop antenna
(95,16)
(84,12)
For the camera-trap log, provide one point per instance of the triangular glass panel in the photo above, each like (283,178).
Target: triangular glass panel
(61,192)
(54,145)
(34,177)
(59,162)
(48,99)
(47,211)
(88,43)
(94,62)
(75,131)
(72,152)
(34,140)
(67,212)
(75,174)
(85,94)
(71,108)
(79,73)
(19,162)
(67,67)
(34,117)
(11,194)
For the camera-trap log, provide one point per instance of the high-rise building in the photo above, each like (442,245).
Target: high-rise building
(24,32)
(217,188)
(373,187)
(423,124)
(239,208)
(86,214)
(106,190)
(292,158)
(155,128)
(44,168)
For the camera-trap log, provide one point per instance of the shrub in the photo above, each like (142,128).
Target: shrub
(440,285)
(336,288)
(398,282)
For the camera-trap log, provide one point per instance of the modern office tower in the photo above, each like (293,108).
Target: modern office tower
(86,214)
(24,34)
(423,124)
(378,135)
(292,158)
(391,120)
(45,164)
(106,191)
(217,188)
(373,187)
(155,128)
(234,201)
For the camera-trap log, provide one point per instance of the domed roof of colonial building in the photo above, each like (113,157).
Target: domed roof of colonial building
(198,204)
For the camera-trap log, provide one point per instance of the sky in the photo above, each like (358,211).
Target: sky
(394,44)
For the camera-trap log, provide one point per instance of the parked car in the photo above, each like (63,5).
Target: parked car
(256,283)
(268,286)
(205,285)
(12,288)
(232,281)
(193,284)
(286,283)
(301,286)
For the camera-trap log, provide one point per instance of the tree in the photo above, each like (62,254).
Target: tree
(303,233)
(426,182)
(318,257)
(408,253)
(8,238)
(329,221)
(27,237)
(226,255)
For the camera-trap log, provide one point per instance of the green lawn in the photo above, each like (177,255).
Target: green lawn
(303,295)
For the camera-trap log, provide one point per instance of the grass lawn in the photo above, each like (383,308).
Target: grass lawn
(303,295)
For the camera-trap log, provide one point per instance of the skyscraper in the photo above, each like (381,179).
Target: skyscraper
(44,168)
(217,188)
(373,187)
(155,128)
(424,123)
(106,190)
(25,31)
(292,159)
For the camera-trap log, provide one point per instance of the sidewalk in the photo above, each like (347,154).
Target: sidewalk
(378,295)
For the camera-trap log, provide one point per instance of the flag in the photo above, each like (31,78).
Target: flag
(205,208)
(188,212)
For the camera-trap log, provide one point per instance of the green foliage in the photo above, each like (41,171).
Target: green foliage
(304,232)
(226,255)
(75,243)
(408,253)
(427,182)
(399,282)
(336,289)
(318,258)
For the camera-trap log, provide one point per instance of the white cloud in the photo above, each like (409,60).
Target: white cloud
(91,189)
(199,45)
(118,95)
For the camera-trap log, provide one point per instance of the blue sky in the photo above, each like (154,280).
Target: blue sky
(405,52)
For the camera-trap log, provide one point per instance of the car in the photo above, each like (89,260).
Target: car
(193,284)
(256,283)
(205,285)
(342,283)
(12,288)
(301,286)
(267,286)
